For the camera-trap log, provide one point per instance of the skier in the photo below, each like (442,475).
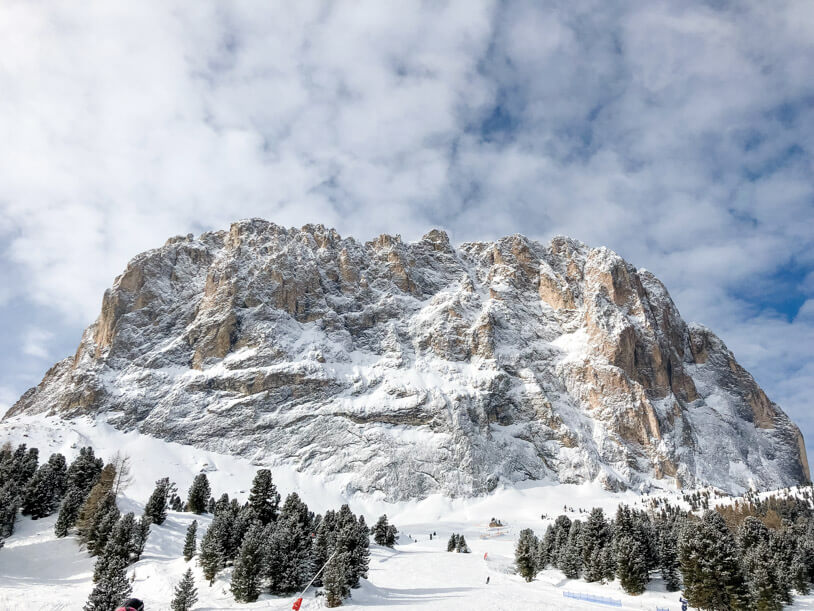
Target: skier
(487,580)
(132,604)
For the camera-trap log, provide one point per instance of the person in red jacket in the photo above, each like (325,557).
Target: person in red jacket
(132,604)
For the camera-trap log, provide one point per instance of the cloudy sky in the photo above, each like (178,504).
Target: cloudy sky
(679,134)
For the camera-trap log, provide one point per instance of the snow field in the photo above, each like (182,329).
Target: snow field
(39,571)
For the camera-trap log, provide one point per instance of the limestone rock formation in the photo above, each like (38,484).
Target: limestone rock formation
(413,368)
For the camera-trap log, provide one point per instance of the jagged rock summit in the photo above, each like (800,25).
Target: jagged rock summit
(413,368)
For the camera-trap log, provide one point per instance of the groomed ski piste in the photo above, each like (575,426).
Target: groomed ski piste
(40,571)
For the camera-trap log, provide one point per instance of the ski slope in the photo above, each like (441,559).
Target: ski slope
(39,571)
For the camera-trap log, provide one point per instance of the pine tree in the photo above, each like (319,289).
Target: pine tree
(111,588)
(361,558)
(59,469)
(158,503)
(69,511)
(289,560)
(102,525)
(570,558)
(264,498)
(9,505)
(559,537)
(461,547)
(247,575)
(595,537)
(380,530)
(525,554)
(324,542)
(710,565)
(668,559)
(140,534)
(190,540)
(176,504)
(390,539)
(84,471)
(762,579)
(631,565)
(452,544)
(211,555)
(199,494)
(334,581)
(186,594)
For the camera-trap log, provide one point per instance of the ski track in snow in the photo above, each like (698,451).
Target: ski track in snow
(39,571)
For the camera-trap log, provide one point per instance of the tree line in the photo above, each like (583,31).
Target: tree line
(271,546)
(750,555)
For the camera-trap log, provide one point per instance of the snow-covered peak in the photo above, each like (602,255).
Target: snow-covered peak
(409,368)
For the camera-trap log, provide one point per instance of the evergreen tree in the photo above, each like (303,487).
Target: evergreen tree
(452,544)
(559,536)
(118,545)
(288,559)
(390,539)
(324,542)
(710,565)
(595,537)
(668,559)
(176,504)
(764,585)
(211,505)
(461,547)
(264,498)
(361,559)
(140,534)
(69,511)
(59,470)
(525,554)
(211,555)
(222,504)
(111,588)
(199,494)
(631,565)
(186,594)
(190,540)
(247,575)
(9,505)
(84,471)
(380,531)
(102,525)
(335,580)
(158,503)
(38,496)
(570,558)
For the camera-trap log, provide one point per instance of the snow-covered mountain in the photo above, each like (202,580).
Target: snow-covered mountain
(413,368)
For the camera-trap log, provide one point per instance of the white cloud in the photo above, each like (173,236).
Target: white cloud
(678,134)
(35,343)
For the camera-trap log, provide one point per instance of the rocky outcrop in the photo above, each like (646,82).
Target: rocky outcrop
(410,368)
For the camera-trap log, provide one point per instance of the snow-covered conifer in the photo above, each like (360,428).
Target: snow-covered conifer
(248,571)
(190,540)
(186,594)
(111,588)
(525,554)
(199,494)
(264,498)
(158,502)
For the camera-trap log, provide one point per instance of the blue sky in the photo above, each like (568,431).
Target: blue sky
(678,134)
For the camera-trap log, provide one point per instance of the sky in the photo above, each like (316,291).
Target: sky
(679,135)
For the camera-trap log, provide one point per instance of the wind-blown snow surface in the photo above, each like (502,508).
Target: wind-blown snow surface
(39,571)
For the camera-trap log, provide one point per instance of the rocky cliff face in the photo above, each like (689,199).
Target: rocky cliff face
(418,367)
